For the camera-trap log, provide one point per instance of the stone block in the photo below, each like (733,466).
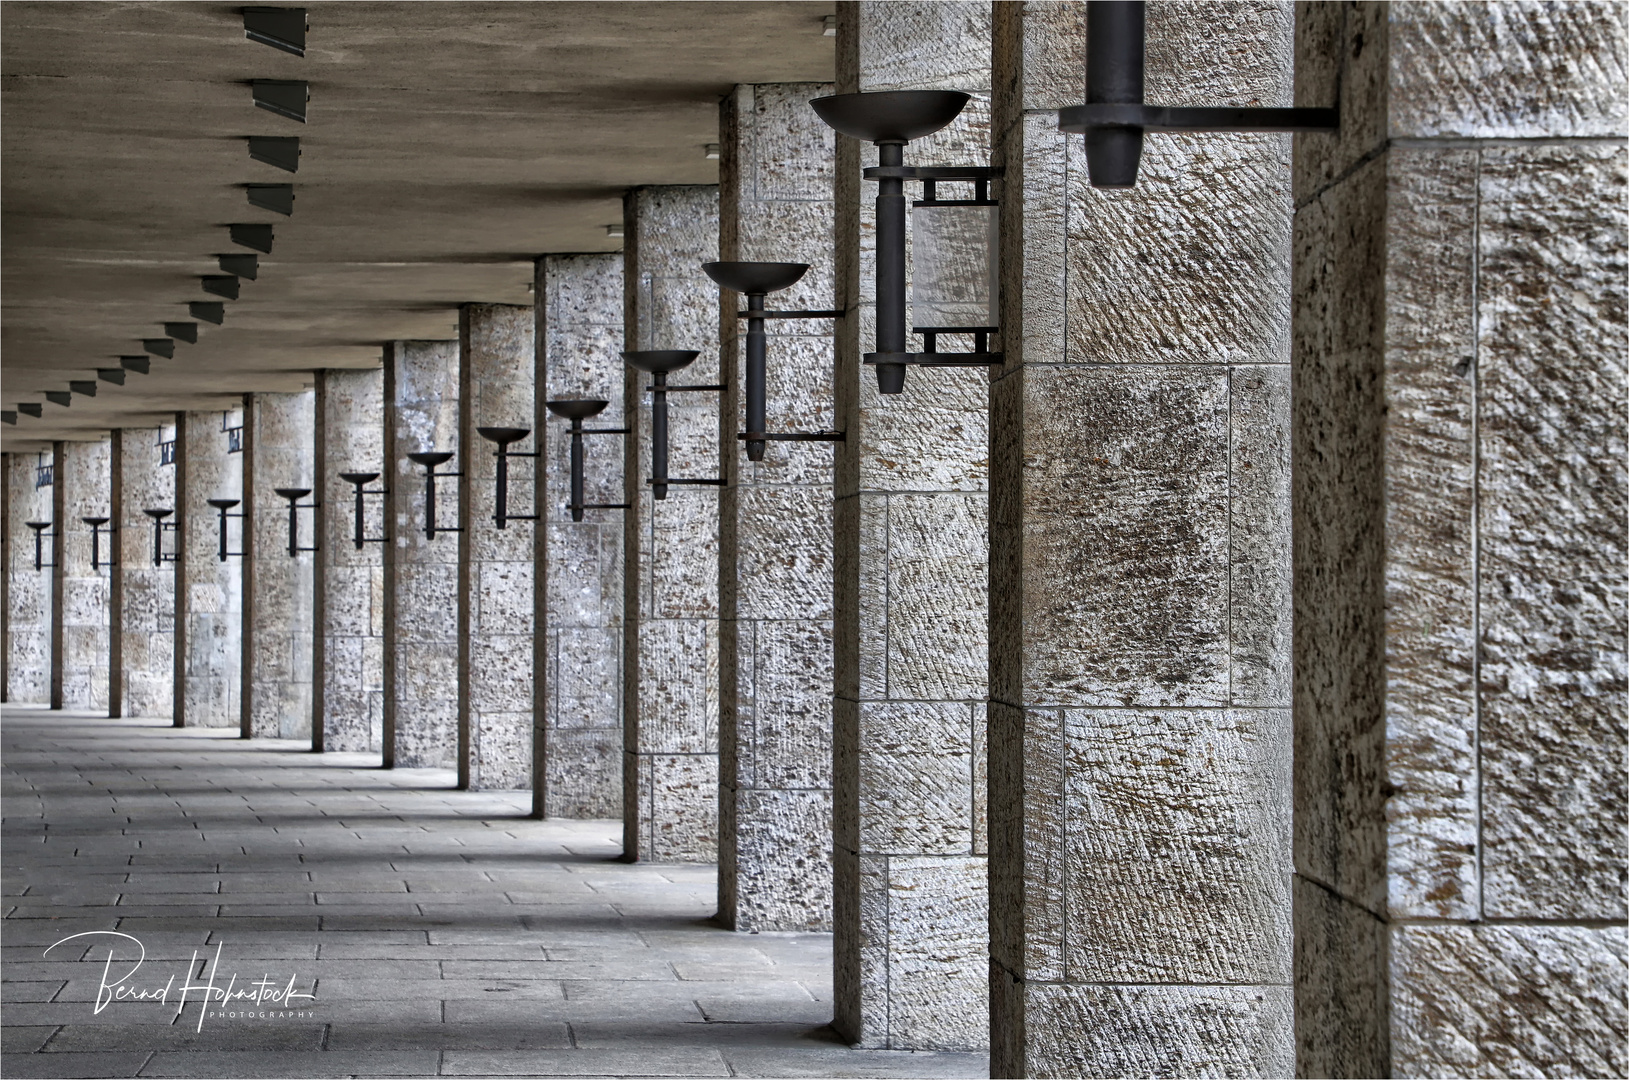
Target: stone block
(684,807)
(938,981)
(786,719)
(783,860)
(678,679)
(1342,986)
(915,778)
(937,595)
(584,773)
(1259,601)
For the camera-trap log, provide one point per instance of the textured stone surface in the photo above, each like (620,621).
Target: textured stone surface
(28,591)
(670,666)
(208,589)
(147,621)
(278,597)
(775,566)
(83,479)
(1509,1001)
(349,697)
(579,332)
(421,574)
(910,590)
(496,576)
(1342,988)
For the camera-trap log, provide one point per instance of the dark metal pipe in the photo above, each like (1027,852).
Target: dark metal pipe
(577,469)
(757,395)
(357,535)
(501,512)
(1114,76)
(890,268)
(222,509)
(158,542)
(430,503)
(658,435)
(293,529)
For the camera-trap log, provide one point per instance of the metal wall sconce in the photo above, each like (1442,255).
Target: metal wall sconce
(431,460)
(278,198)
(503,436)
(234,434)
(160,527)
(757,280)
(658,363)
(361,480)
(59,397)
(182,331)
(141,365)
(114,375)
(223,505)
(294,495)
(40,534)
(281,28)
(207,311)
(577,410)
(84,387)
(254,237)
(1114,117)
(951,290)
(96,524)
(222,285)
(278,151)
(31,408)
(243,266)
(163,346)
(45,474)
(285,97)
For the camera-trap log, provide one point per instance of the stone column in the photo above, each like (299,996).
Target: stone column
(1139,696)
(421,574)
(80,604)
(1459,450)
(277,602)
(208,590)
(28,593)
(775,543)
(348,651)
(911,500)
(578,765)
(146,612)
(497,388)
(670,650)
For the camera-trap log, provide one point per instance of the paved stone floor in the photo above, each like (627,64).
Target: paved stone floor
(438,932)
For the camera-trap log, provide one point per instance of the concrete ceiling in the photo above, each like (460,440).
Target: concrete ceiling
(447,144)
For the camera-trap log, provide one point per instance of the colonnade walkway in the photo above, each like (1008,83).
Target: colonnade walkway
(438,932)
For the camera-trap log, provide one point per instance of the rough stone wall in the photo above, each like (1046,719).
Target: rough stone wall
(910,606)
(348,656)
(1140,737)
(775,544)
(208,591)
(421,574)
(28,593)
(670,652)
(147,611)
(495,566)
(83,489)
(277,452)
(1459,348)
(579,335)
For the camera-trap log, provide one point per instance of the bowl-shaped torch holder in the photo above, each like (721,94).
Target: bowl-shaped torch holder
(503,436)
(223,506)
(577,410)
(160,527)
(360,481)
(431,460)
(294,495)
(658,363)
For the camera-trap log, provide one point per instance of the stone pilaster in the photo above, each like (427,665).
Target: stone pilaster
(146,611)
(1459,344)
(80,601)
(28,593)
(579,336)
(277,604)
(670,651)
(348,652)
(208,590)
(911,499)
(497,388)
(775,543)
(421,574)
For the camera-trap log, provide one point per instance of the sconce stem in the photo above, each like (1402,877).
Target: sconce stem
(757,395)
(890,268)
(658,435)
(577,470)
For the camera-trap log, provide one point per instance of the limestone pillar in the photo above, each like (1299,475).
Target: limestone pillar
(146,611)
(277,591)
(28,591)
(497,388)
(1139,700)
(81,591)
(578,769)
(775,542)
(208,589)
(348,651)
(421,573)
(670,657)
(911,497)
(1459,449)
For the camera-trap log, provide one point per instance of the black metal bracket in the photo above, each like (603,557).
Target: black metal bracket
(793,436)
(709,481)
(294,495)
(223,506)
(40,533)
(503,436)
(430,459)
(96,524)
(160,527)
(361,480)
(577,410)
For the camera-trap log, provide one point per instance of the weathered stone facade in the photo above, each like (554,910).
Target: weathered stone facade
(83,488)
(910,607)
(146,609)
(421,573)
(670,648)
(278,432)
(578,772)
(1459,349)
(497,388)
(28,591)
(348,707)
(775,544)
(208,589)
